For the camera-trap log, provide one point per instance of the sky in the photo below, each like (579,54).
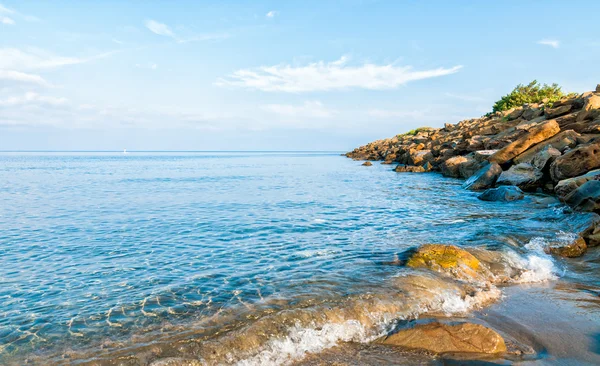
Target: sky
(273,75)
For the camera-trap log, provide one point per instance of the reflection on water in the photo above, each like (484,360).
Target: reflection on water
(100,252)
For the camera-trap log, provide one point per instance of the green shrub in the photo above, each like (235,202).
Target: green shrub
(533,92)
(414,132)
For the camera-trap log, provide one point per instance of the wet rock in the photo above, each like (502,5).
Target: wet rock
(448,259)
(576,162)
(523,175)
(586,197)
(535,136)
(563,140)
(484,178)
(566,186)
(504,194)
(443,338)
(401,168)
(591,103)
(367,163)
(557,111)
(591,235)
(575,249)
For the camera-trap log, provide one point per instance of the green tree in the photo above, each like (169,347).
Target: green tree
(533,92)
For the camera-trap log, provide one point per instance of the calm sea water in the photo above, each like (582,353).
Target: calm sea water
(96,248)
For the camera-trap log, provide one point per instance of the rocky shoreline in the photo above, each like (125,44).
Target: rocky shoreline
(553,149)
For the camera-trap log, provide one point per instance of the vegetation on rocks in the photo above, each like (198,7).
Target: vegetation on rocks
(533,92)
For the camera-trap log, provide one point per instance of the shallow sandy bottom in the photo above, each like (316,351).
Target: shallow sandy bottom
(560,321)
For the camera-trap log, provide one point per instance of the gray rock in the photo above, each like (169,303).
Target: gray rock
(545,157)
(484,178)
(566,186)
(586,197)
(523,175)
(504,194)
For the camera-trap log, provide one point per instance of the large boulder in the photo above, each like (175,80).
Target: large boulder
(420,157)
(450,260)
(468,168)
(566,186)
(563,140)
(557,111)
(503,194)
(523,175)
(535,136)
(576,162)
(586,197)
(545,157)
(450,167)
(484,178)
(590,104)
(455,338)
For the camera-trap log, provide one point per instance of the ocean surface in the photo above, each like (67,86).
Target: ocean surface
(240,257)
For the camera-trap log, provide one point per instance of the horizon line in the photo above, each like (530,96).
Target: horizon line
(186,151)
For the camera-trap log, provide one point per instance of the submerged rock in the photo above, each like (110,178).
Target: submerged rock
(575,249)
(443,338)
(367,163)
(504,193)
(523,175)
(484,178)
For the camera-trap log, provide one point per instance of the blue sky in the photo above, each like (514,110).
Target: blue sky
(273,75)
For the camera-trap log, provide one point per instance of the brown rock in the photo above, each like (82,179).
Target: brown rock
(420,157)
(576,162)
(545,157)
(591,103)
(557,111)
(401,168)
(560,142)
(450,260)
(575,249)
(535,136)
(450,167)
(367,163)
(591,235)
(516,113)
(598,88)
(566,186)
(586,197)
(456,338)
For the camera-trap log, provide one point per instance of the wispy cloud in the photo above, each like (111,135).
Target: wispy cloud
(150,66)
(164,30)
(33,98)
(35,58)
(310,109)
(7,76)
(272,14)
(4,19)
(549,42)
(321,76)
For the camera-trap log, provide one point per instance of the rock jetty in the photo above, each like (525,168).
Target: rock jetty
(553,149)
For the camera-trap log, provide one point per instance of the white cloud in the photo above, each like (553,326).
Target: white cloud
(6,20)
(32,98)
(310,109)
(34,58)
(6,10)
(549,42)
(160,28)
(272,14)
(21,77)
(321,76)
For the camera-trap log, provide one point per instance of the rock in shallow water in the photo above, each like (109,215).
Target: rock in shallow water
(523,175)
(484,178)
(367,163)
(505,194)
(401,168)
(448,259)
(575,249)
(443,338)
(586,197)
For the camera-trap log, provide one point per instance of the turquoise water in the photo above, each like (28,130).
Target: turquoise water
(99,248)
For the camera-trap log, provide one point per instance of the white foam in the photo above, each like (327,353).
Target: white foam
(301,341)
